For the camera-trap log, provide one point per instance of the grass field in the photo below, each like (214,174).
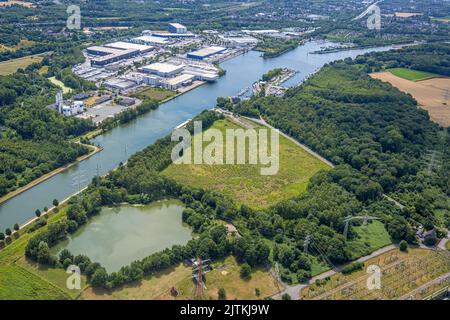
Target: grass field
(60,84)
(402,274)
(43,70)
(157,94)
(225,274)
(17,283)
(368,239)
(412,75)
(21,280)
(244,182)
(11,66)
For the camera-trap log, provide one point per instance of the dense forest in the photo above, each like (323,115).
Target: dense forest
(434,58)
(33,138)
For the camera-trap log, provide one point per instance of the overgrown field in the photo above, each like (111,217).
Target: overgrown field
(369,238)
(225,274)
(157,94)
(244,182)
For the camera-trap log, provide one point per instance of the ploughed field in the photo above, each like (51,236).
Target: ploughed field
(244,182)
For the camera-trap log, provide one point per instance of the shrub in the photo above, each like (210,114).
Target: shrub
(403,246)
(222,295)
(246,271)
(355,266)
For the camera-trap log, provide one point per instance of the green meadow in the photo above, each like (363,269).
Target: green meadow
(244,182)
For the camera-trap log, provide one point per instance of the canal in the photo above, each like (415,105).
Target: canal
(123,141)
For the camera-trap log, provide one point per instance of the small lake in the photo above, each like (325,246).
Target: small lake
(118,236)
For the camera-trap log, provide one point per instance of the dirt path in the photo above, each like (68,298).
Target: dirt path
(294,291)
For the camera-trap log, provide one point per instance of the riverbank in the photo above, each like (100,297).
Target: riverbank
(124,140)
(347,48)
(46,176)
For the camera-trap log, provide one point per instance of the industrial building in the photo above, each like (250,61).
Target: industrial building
(121,45)
(68,107)
(177,28)
(205,53)
(127,102)
(119,84)
(202,75)
(109,55)
(152,80)
(151,40)
(240,41)
(177,82)
(163,69)
(173,35)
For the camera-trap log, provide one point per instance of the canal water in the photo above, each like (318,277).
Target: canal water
(118,236)
(123,141)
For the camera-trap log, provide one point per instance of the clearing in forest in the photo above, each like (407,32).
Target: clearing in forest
(244,182)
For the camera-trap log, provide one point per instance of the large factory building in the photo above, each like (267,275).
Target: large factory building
(205,53)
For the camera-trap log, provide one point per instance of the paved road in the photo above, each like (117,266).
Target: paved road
(294,291)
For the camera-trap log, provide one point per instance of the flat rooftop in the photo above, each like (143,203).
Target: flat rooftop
(179,79)
(128,45)
(163,67)
(106,50)
(177,25)
(152,39)
(204,52)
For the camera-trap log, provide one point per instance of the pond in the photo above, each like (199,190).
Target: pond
(118,236)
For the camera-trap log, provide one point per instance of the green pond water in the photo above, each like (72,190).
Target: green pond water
(118,236)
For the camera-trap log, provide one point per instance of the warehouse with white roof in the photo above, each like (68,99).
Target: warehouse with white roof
(151,40)
(128,45)
(205,53)
(163,69)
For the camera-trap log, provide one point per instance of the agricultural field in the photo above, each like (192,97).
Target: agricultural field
(412,75)
(369,238)
(11,66)
(432,94)
(244,182)
(418,273)
(225,274)
(157,94)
